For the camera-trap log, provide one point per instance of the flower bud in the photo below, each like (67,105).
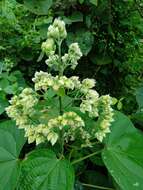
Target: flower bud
(57,31)
(49,47)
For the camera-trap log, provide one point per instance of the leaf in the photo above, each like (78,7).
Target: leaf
(94,2)
(4,83)
(119,105)
(138,117)
(42,170)
(123,154)
(39,7)
(75,17)
(78,186)
(18,134)
(139,97)
(84,38)
(81,1)
(104,60)
(95,178)
(61,92)
(3,104)
(11,142)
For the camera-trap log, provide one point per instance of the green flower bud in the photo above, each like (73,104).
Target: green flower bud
(57,31)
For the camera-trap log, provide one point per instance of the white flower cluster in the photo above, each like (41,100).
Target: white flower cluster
(22,107)
(28,110)
(56,34)
(57,30)
(90,103)
(100,108)
(44,80)
(87,84)
(73,55)
(106,117)
(49,47)
(71,124)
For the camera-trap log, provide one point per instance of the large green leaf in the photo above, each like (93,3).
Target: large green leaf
(39,7)
(123,154)
(11,142)
(42,170)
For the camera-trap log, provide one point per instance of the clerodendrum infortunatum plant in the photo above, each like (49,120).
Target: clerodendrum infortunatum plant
(57,110)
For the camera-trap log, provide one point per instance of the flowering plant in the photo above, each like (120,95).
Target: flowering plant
(59,109)
(31,108)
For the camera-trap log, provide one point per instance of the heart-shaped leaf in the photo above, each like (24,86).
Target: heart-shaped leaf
(123,154)
(42,170)
(11,142)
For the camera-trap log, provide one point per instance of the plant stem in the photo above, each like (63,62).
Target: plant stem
(85,157)
(60,100)
(70,155)
(60,105)
(97,186)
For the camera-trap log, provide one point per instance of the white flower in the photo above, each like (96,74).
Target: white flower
(74,51)
(53,61)
(52,137)
(76,81)
(87,84)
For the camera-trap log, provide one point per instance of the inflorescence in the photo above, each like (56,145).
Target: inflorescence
(27,108)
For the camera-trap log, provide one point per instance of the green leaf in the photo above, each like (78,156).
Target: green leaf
(11,89)
(42,170)
(123,154)
(94,2)
(4,83)
(84,38)
(104,60)
(139,97)
(3,104)
(81,1)
(75,17)
(138,117)
(119,105)
(95,178)
(11,142)
(18,134)
(39,7)
(61,92)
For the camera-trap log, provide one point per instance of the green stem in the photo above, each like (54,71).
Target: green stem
(85,157)
(70,155)
(60,100)
(60,54)
(60,105)
(96,186)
